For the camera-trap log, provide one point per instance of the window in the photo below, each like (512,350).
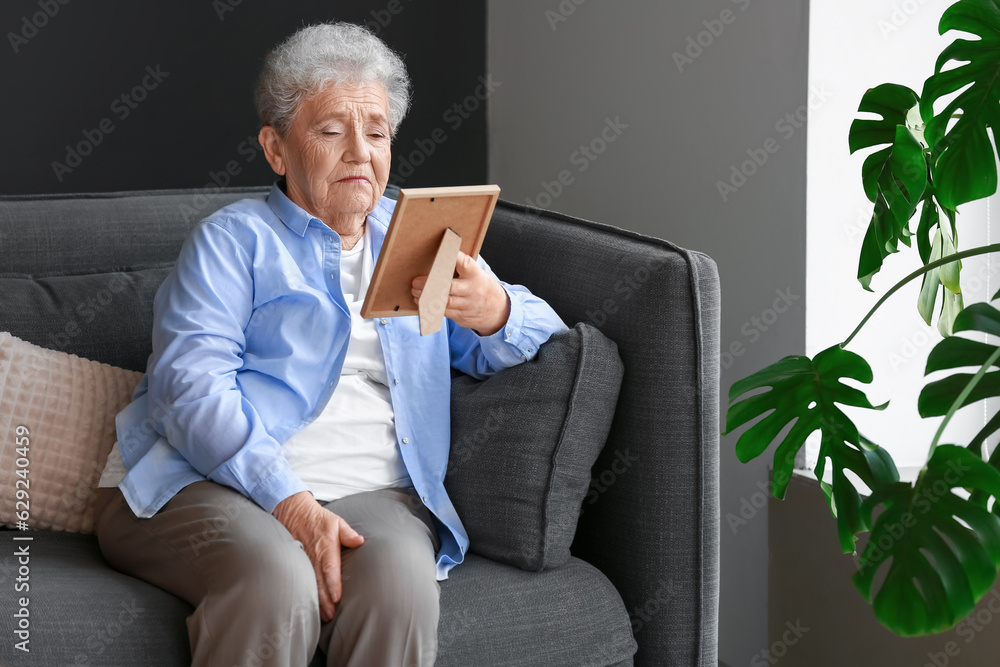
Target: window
(854,45)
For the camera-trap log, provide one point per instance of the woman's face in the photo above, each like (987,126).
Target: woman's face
(336,156)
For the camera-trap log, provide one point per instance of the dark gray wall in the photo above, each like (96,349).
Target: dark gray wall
(595,116)
(66,65)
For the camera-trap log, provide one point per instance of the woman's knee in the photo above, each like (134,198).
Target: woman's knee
(274,589)
(267,611)
(388,579)
(390,609)
(267,568)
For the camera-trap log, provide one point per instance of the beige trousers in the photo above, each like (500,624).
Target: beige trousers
(254,590)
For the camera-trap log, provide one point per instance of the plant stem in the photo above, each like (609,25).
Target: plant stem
(964,394)
(972,252)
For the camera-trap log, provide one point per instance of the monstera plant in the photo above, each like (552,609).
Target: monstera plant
(934,544)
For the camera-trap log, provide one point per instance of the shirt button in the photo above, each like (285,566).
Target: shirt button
(524,358)
(406,441)
(396,380)
(334,276)
(424,499)
(384,321)
(508,333)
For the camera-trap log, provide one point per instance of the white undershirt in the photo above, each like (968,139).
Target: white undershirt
(351,446)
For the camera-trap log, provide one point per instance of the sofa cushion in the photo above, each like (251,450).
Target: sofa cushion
(57,425)
(105,316)
(82,612)
(85,613)
(494,614)
(523,444)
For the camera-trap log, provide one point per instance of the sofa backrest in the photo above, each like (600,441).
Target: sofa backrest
(78,272)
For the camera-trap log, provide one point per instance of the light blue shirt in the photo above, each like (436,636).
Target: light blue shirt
(250,330)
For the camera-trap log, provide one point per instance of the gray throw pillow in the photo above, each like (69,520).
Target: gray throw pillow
(523,443)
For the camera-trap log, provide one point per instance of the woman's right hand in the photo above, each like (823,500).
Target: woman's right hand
(322,533)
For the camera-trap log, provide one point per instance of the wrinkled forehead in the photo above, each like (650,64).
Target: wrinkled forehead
(365,101)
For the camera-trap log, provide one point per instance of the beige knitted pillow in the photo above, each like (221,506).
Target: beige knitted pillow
(57,424)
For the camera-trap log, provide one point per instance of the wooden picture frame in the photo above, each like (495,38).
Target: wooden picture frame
(414,239)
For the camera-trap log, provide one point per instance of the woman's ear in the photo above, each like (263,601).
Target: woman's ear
(274,147)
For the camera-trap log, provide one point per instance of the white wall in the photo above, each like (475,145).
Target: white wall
(689,125)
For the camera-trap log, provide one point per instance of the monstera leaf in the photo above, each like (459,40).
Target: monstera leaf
(870,462)
(964,165)
(894,177)
(946,277)
(806,391)
(937,397)
(944,550)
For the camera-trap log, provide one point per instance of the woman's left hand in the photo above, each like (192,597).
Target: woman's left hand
(476,301)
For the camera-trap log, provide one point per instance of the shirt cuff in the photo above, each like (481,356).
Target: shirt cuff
(276,487)
(507,345)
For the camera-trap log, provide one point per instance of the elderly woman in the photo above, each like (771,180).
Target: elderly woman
(281,466)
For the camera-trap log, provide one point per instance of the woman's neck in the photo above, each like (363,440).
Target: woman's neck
(349,238)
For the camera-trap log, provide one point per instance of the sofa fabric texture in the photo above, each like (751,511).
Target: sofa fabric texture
(523,443)
(650,521)
(76,313)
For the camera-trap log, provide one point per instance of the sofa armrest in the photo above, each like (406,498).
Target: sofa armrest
(651,519)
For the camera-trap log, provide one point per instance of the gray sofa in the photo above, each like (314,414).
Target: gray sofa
(645,567)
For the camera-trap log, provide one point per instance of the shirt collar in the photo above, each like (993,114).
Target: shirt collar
(294,216)
(297,218)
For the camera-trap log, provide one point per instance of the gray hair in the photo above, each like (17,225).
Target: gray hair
(322,55)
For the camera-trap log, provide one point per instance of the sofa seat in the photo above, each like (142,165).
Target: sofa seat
(570,615)
(84,613)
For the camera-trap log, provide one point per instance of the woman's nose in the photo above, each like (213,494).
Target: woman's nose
(357,148)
